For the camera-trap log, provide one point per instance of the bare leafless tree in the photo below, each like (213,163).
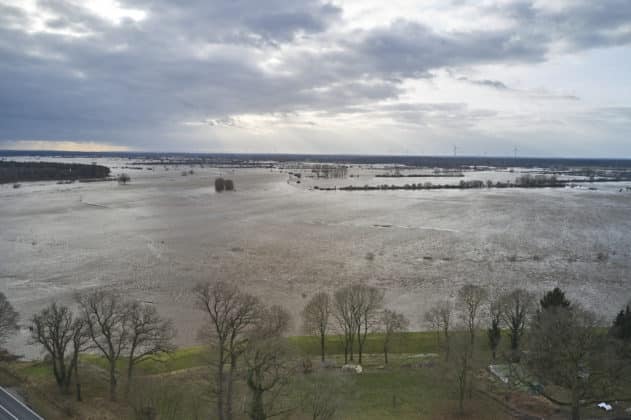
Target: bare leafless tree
(445,309)
(494,332)
(57,330)
(356,309)
(80,343)
(516,307)
(461,367)
(343,311)
(266,361)
(149,335)
(316,316)
(8,319)
(107,322)
(368,302)
(232,314)
(433,319)
(392,323)
(471,299)
(439,317)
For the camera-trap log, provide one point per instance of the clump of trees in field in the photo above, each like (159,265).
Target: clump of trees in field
(222,184)
(392,323)
(12,172)
(323,170)
(123,179)
(117,328)
(537,180)
(356,310)
(316,316)
(439,317)
(63,335)
(247,336)
(242,331)
(565,345)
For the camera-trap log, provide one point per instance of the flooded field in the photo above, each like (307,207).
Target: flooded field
(156,237)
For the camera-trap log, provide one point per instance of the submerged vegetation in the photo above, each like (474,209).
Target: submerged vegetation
(223,185)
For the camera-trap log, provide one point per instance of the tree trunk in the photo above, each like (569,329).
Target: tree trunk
(359,344)
(514,336)
(350,346)
(77,380)
(322,337)
(446,345)
(576,406)
(257,410)
(220,379)
(61,376)
(66,381)
(463,388)
(461,394)
(230,380)
(112,380)
(130,367)
(385,354)
(70,369)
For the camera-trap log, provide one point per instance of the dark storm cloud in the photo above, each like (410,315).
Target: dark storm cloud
(591,24)
(242,21)
(202,61)
(408,49)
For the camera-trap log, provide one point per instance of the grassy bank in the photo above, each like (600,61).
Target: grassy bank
(417,383)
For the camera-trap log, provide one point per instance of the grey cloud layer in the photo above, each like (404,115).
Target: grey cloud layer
(203,61)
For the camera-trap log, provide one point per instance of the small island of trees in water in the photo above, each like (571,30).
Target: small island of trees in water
(48,171)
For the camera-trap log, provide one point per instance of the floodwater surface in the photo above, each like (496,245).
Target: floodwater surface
(158,236)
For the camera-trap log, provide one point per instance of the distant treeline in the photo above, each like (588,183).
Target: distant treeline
(49,171)
(441,175)
(526,181)
(417,161)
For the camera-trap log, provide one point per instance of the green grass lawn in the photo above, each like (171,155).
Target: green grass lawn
(415,384)
(306,346)
(411,342)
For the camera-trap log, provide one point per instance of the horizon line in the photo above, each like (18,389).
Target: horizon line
(447,156)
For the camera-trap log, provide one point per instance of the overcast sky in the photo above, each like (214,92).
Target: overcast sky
(548,77)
